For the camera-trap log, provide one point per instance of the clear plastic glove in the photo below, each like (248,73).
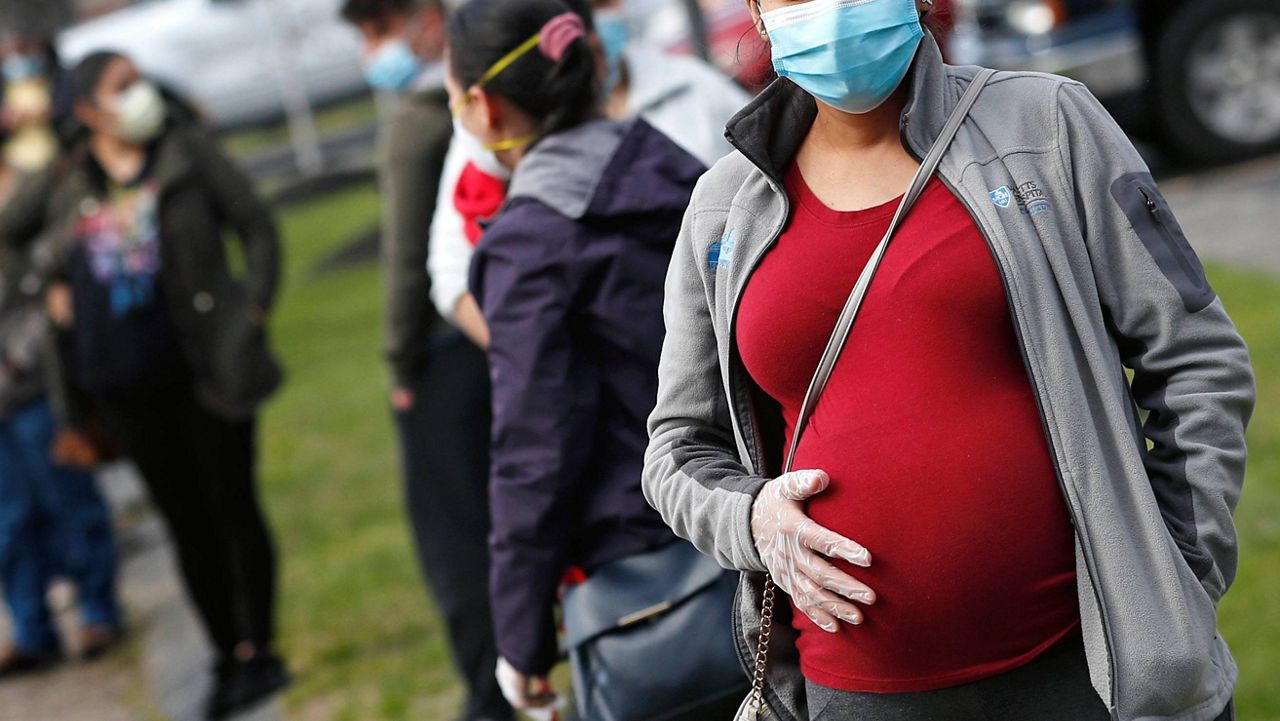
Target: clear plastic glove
(795,550)
(524,692)
(549,713)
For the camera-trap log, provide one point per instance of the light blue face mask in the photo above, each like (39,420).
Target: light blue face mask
(850,54)
(393,66)
(21,67)
(614,33)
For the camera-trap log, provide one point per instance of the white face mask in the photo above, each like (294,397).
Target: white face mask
(473,149)
(140,113)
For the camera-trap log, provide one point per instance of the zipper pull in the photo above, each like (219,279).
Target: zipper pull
(1152,206)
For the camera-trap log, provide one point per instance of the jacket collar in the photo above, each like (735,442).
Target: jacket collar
(605,169)
(171,161)
(174,161)
(563,170)
(769,130)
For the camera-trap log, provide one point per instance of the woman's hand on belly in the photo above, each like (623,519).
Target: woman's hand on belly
(795,550)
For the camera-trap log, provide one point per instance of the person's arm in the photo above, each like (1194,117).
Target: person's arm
(449,259)
(412,158)
(240,205)
(23,222)
(693,475)
(23,213)
(1191,369)
(471,320)
(544,409)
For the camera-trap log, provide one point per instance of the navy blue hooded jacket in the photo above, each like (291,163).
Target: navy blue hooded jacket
(570,278)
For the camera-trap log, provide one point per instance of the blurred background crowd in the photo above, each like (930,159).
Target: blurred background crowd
(191,545)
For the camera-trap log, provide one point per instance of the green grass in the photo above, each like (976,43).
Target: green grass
(1250,613)
(355,618)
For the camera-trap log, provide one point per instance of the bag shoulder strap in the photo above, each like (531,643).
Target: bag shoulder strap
(831,354)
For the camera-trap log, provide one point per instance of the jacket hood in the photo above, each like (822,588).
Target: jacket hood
(769,130)
(607,168)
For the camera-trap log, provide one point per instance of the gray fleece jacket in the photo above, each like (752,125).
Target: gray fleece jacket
(1099,278)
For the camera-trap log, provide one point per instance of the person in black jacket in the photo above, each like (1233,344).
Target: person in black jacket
(569,277)
(127,231)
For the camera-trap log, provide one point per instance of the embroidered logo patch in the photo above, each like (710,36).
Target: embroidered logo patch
(1001,196)
(720,253)
(1029,196)
(1032,200)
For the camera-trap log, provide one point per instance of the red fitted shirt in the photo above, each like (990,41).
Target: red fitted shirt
(929,430)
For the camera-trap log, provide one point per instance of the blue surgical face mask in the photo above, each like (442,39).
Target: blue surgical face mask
(22,67)
(614,34)
(849,54)
(393,66)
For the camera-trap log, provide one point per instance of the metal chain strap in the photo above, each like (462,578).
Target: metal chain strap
(762,646)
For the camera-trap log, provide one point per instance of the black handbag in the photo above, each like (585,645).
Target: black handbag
(648,639)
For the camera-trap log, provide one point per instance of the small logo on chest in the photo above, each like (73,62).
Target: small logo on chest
(720,254)
(1001,196)
(1029,197)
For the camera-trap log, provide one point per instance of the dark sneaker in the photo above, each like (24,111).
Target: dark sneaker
(15,661)
(244,684)
(96,641)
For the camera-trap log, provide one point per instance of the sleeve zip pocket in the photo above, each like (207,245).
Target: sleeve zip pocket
(1155,226)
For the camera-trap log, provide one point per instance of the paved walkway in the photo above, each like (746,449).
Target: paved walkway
(162,673)
(1232,215)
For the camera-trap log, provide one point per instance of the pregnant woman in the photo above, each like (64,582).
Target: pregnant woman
(988,529)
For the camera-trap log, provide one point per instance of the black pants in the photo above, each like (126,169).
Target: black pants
(1054,686)
(444,441)
(199,471)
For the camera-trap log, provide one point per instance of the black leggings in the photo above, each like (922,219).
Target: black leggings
(199,471)
(1054,686)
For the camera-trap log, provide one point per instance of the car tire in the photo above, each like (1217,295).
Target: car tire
(1228,39)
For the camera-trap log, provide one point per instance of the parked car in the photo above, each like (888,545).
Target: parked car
(1207,72)
(231,58)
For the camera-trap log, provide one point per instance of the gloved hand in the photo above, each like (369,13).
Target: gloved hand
(524,692)
(793,547)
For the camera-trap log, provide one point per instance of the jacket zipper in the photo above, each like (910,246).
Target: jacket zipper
(734,362)
(1044,426)
(1157,218)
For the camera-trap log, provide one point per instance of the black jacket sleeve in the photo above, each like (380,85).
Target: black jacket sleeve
(244,210)
(544,402)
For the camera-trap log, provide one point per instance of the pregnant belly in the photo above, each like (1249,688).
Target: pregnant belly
(973,555)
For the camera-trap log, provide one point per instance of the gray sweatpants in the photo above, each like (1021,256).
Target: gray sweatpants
(1053,687)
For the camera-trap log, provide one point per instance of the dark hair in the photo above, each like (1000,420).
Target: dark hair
(88,73)
(557,95)
(86,76)
(363,11)
(937,21)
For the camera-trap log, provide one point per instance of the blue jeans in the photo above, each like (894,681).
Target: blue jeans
(53,522)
